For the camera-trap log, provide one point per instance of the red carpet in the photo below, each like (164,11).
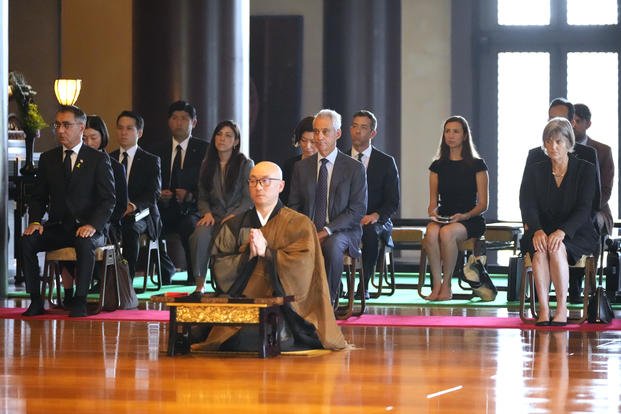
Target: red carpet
(119,315)
(481,322)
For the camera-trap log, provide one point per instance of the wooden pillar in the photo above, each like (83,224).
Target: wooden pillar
(195,50)
(362,45)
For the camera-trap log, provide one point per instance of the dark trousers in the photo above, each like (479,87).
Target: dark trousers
(56,237)
(333,249)
(371,235)
(182,224)
(131,231)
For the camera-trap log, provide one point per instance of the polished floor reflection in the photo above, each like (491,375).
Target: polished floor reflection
(72,366)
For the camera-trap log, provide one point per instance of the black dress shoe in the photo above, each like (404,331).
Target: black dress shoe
(78,308)
(67,301)
(195,296)
(543,323)
(35,308)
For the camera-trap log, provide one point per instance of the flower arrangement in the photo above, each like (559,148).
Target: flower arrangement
(31,119)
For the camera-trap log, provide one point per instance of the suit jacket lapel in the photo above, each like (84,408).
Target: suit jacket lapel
(135,167)
(75,172)
(312,184)
(335,179)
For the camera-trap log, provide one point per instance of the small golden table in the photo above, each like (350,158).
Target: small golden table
(212,311)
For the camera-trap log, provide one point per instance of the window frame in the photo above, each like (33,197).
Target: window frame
(476,43)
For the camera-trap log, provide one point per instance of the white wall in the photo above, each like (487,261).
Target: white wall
(425,95)
(312,58)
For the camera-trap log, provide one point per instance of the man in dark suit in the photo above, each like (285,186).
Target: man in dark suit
(382,190)
(330,188)
(181,159)
(143,186)
(603,217)
(75,186)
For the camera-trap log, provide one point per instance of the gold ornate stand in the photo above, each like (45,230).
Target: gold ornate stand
(212,311)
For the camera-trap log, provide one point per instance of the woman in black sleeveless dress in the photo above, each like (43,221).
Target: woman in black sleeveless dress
(458,188)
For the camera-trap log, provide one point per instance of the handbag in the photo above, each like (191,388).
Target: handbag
(127,294)
(599,309)
(477,277)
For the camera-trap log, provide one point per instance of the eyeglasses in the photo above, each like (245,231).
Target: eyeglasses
(66,125)
(265,182)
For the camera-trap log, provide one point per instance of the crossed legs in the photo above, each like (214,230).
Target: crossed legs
(441,244)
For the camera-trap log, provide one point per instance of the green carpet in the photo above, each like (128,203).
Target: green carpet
(401,297)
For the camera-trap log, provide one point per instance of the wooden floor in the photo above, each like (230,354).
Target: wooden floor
(116,367)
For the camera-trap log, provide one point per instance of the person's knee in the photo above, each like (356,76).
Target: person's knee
(29,242)
(332,249)
(85,244)
(446,234)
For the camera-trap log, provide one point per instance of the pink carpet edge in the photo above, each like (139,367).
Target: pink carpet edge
(402,321)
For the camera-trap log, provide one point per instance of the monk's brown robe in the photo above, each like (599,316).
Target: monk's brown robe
(293,265)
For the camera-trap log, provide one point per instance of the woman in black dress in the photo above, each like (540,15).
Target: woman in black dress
(303,138)
(458,187)
(557,212)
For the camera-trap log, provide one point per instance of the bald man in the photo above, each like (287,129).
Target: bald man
(279,253)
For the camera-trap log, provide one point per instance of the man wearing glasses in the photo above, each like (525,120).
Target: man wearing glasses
(271,250)
(75,186)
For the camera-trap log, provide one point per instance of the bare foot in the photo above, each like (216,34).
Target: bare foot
(445,292)
(433,296)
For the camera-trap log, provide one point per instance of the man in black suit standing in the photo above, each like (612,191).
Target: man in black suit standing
(181,159)
(75,186)
(331,188)
(143,186)
(382,189)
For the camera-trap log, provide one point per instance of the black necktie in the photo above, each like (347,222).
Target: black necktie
(124,162)
(67,165)
(321,196)
(176,168)
(359,156)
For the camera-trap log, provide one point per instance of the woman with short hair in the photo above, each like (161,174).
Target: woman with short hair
(557,211)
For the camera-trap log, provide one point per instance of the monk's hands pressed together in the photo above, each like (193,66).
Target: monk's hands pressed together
(257,242)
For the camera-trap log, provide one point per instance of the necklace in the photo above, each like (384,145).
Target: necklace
(558,174)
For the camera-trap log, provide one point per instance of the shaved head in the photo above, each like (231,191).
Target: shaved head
(265,184)
(266,169)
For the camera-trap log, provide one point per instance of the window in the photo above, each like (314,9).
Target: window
(528,53)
